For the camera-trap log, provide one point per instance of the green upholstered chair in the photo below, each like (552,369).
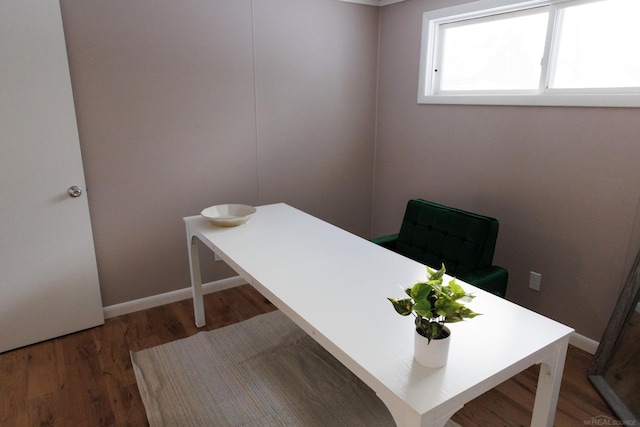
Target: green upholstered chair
(433,234)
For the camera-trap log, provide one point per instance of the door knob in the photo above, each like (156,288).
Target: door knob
(75,191)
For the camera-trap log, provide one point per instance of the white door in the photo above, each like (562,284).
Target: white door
(48,275)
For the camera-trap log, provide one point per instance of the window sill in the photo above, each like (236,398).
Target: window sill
(551,100)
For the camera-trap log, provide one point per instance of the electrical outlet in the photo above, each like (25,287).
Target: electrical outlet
(534,281)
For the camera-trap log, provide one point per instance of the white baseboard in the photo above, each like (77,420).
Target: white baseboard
(169,297)
(584,343)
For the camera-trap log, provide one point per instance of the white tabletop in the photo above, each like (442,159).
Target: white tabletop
(334,285)
(275,235)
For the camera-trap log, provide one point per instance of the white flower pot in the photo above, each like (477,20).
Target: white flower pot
(432,354)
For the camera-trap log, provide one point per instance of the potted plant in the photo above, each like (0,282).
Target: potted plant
(434,304)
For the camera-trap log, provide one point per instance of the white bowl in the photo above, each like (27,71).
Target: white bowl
(228,215)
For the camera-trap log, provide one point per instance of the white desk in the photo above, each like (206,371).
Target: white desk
(334,285)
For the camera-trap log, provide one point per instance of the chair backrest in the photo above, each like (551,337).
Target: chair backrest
(432,234)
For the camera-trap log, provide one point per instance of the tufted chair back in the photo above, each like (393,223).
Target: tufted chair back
(433,234)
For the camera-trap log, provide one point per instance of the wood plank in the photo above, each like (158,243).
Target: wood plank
(83,399)
(13,388)
(115,363)
(44,369)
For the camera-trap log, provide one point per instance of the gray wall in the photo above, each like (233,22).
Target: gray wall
(183,105)
(187,104)
(564,182)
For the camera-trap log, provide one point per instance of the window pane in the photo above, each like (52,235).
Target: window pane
(598,46)
(501,53)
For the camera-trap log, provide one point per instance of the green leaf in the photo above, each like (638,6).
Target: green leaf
(459,313)
(467,313)
(402,306)
(436,275)
(422,324)
(466,298)
(420,291)
(443,302)
(423,308)
(430,330)
(456,290)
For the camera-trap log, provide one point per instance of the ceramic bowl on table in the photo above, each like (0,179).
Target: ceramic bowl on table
(229,215)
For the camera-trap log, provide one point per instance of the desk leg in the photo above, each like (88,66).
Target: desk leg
(196,280)
(544,408)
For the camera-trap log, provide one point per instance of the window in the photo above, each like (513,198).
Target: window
(540,52)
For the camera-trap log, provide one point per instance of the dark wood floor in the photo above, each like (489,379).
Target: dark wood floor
(86,379)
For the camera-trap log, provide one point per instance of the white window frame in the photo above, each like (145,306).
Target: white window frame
(544,96)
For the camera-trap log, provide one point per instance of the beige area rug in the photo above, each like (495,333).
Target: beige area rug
(264,371)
